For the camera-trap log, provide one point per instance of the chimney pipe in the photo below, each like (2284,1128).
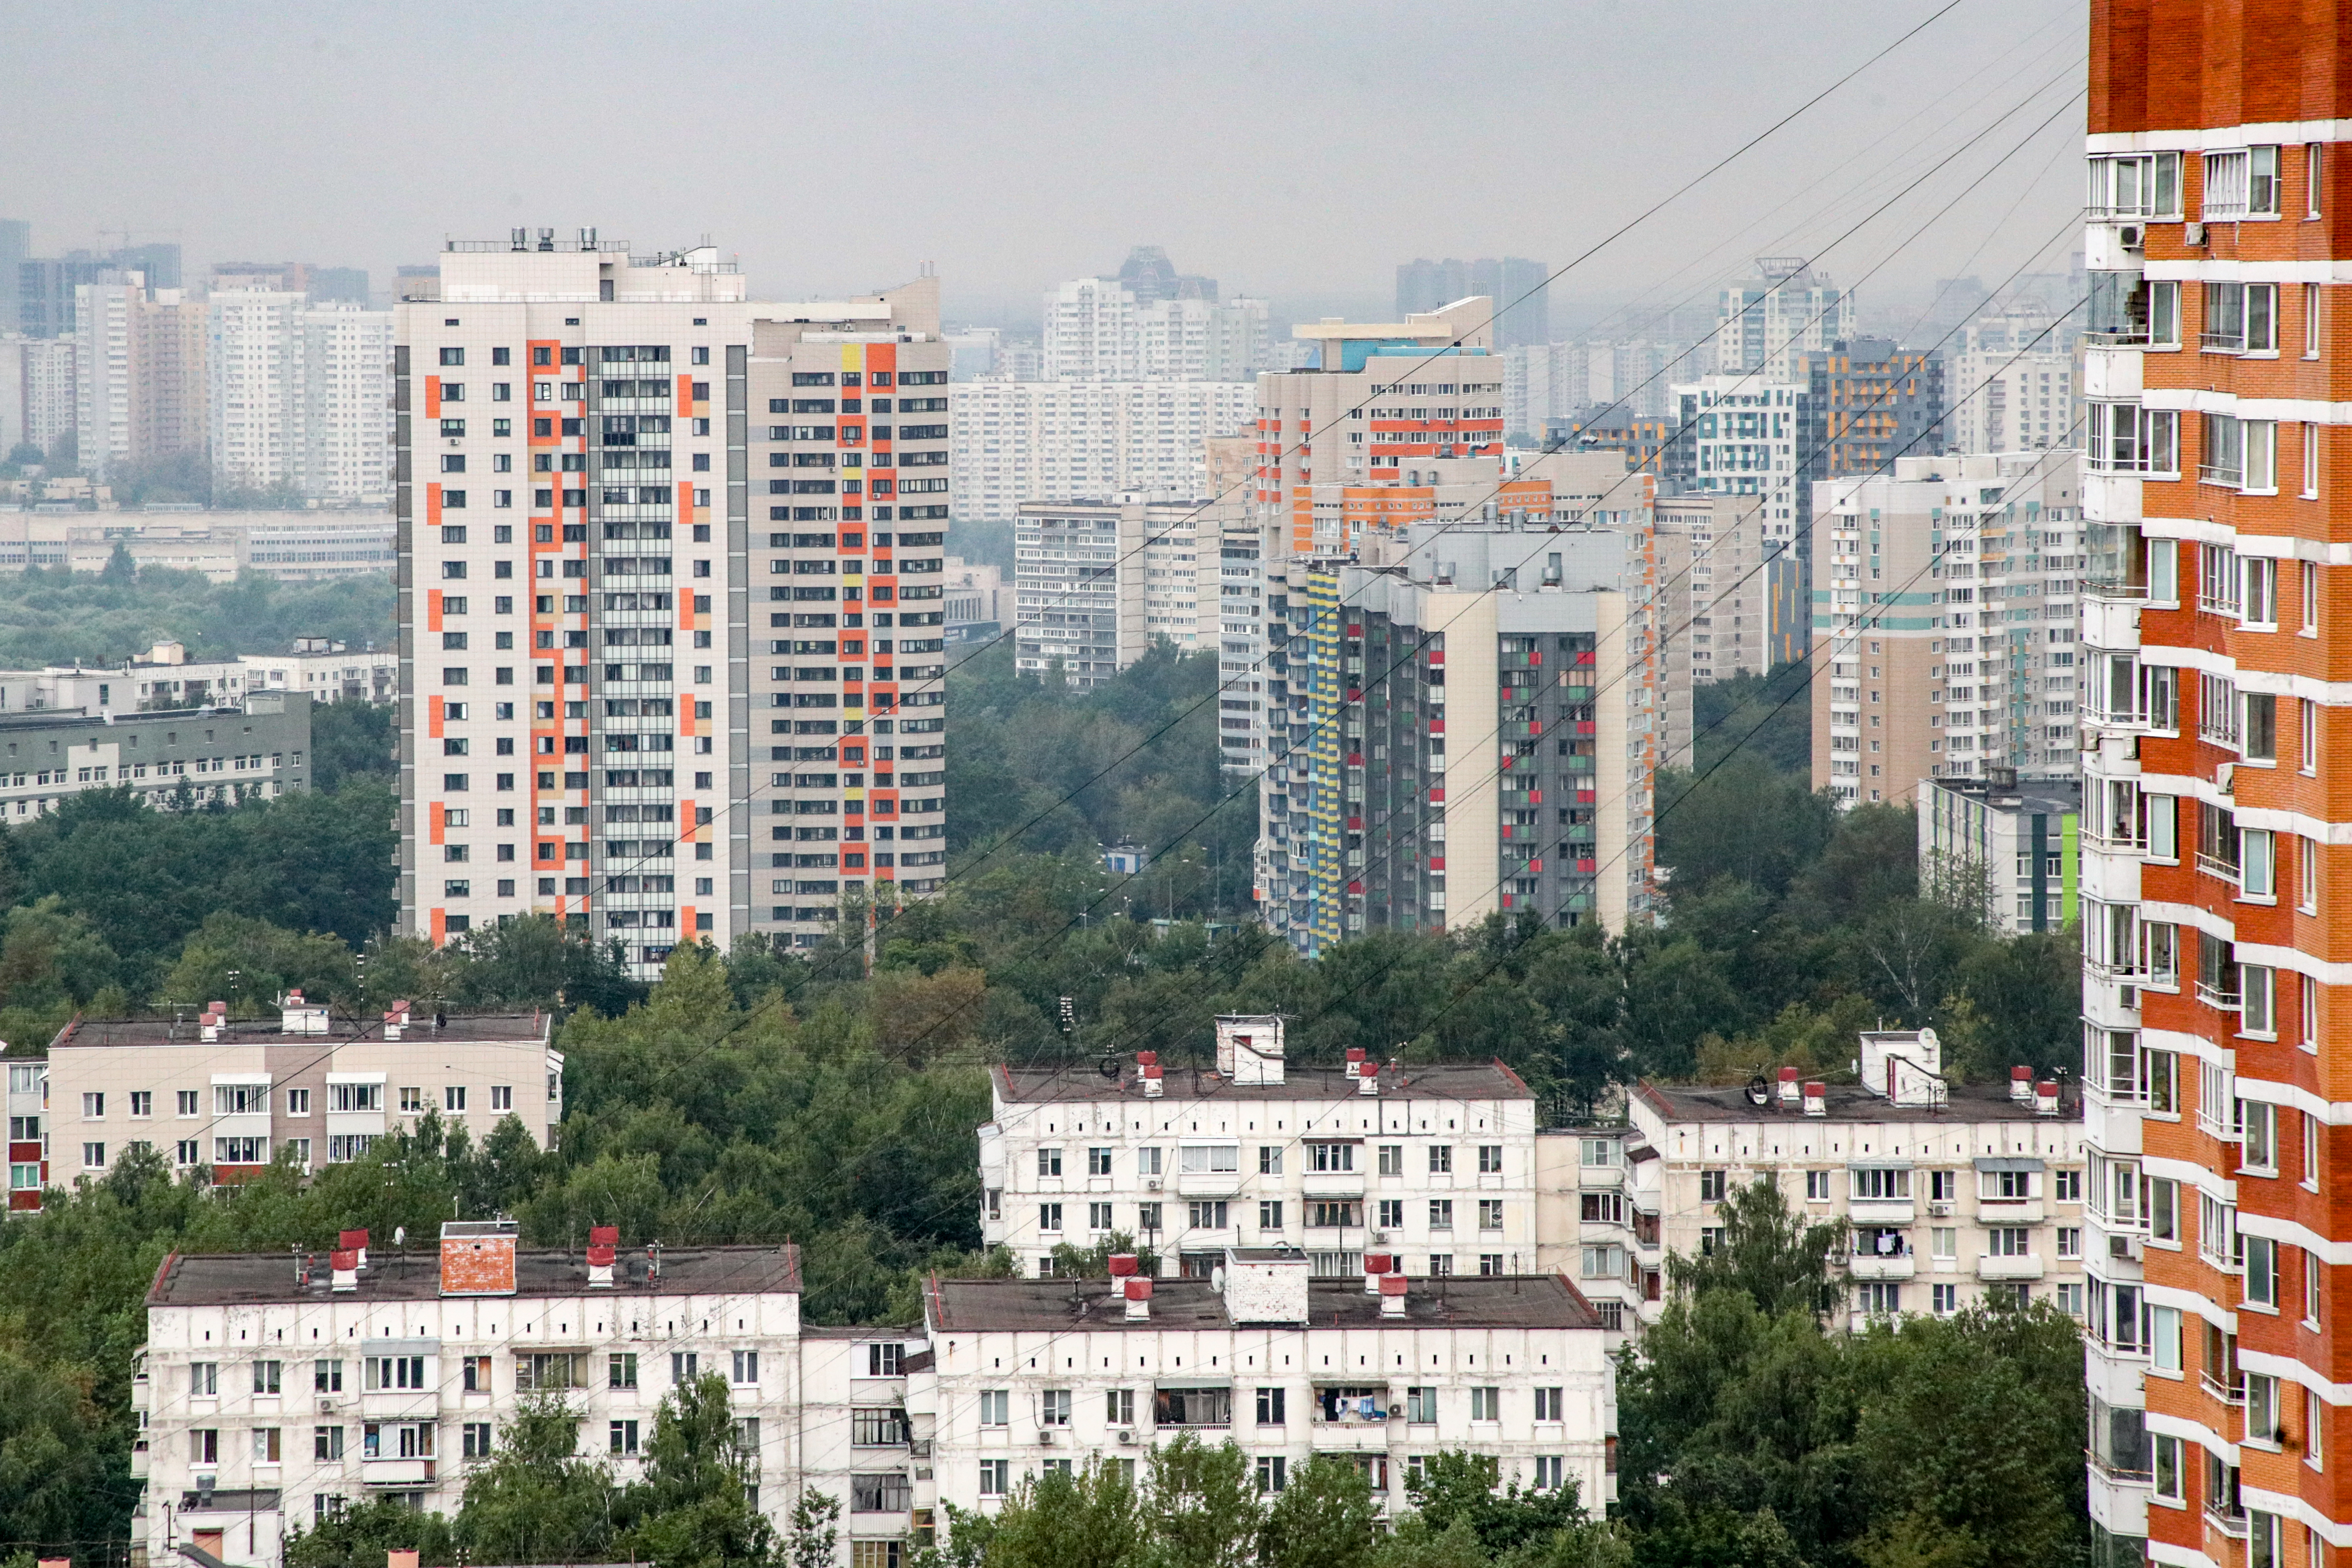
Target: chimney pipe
(1817,1099)
(1138,1291)
(346,1266)
(1789,1090)
(1393,1289)
(2021,1085)
(1377,1266)
(1152,1085)
(1356,1062)
(355,1243)
(2045,1098)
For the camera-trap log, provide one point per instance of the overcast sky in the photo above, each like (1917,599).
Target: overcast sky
(1295,151)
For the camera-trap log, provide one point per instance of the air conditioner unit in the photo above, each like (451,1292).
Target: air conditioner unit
(2132,235)
(1940,1211)
(1150,1184)
(1127,1434)
(2193,234)
(1046,1438)
(1380,1237)
(2126,1246)
(329,1401)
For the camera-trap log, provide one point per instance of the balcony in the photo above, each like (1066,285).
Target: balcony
(1896,1265)
(2009,1211)
(2230,1523)
(396,1472)
(2220,1392)
(2008,1268)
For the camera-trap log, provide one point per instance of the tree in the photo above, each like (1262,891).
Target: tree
(694,1507)
(1203,1508)
(1324,1518)
(1766,1252)
(1088,1518)
(349,739)
(811,1536)
(536,1500)
(1457,1486)
(359,1534)
(120,567)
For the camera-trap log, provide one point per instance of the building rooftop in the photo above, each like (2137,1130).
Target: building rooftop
(460,1028)
(1846,1102)
(255,1279)
(1439,1080)
(1502,1301)
(2047,797)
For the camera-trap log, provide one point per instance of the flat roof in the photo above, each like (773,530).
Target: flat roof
(1440,1080)
(1458,1302)
(1847,1102)
(461,1029)
(253,1279)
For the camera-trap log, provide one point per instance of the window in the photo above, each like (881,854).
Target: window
(1207,1158)
(1817,1186)
(1391,1214)
(1098,1162)
(1099,1216)
(266,1376)
(1550,1403)
(2164,1453)
(204,1446)
(1269,1159)
(1270,1406)
(1441,1159)
(1485,1404)
(1490,1159)
(327,1377)
(2261,1269)
(2125,439)
(684,1366)
(2070,1241)
(996,1476)
(995,1407)
(1118,1406)
(1331,1156)
(475,1439)
(188,1103)
(1490,1214)
(93,1155)
(1711,1186)
(1049,1216)
(1392,1159)
(204,1380)
(886,1358)
(1147,1161)
(1873,1183)
(2008,1241)
(1272,1473)
(327,1444)
(1441,1214)
(541,1369)
(1049,1161)
(878,1426)
(2257,1000)
(1054,1408)
(621,1437)
(402,1373)
(502,1096)
(1269,1214)
(1421,1404)
(1207,1213)
(93,1107)
(747,1367)
(1332,1213)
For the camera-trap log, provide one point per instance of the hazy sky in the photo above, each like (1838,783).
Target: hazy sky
(1295,151)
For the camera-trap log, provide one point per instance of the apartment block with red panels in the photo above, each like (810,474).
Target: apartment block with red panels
(2218,792)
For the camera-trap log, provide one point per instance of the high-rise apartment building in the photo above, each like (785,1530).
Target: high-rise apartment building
(1715,612)
(2011,400)
(1097,583)
(1767,323)
(1872,402)
(15,248)
(1144,325)
(300,394)
(1943,618)
(1513,286)
(691,535)
(1413,404)
(2214,780)
(1020,442)
(1473,727)
(140,388)
(1747,435)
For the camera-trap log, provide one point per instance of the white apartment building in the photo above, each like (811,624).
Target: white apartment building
(1767,323)
(47,365)
(1434,1164)
(1380,1370)
(2009,855)
(1945,599)
(1742,434)
(1241,641)
(1017,442)
(1097,584)
(253,750)
(252,360)
(1711,571)
(275,1391)
(291,546)
(1096,329)
(231,1095)
(347,417)
(1952,1193)
(663,761)
(2007,400)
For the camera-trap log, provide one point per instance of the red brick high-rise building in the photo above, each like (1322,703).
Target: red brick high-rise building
(2216,645)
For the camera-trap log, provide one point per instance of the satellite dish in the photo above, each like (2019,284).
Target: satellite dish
(1759,1093)
(399,1236)
(1107,1066)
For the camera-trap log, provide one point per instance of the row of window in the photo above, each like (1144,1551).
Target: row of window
(1548,1473)
(1212,1158)
(534,1371)
(1891,1183)
(418,1440)
(253,1100)
(1216,1214)
(1212,1406)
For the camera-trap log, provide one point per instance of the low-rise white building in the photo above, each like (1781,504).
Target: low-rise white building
(1382,1372)
(1060,441)
(1433,1163)
(273,1391)
(1954,1192)
(230,1095)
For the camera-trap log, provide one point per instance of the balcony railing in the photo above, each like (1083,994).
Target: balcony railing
(2228,1521)
(2227,1394)
(2114,1472)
